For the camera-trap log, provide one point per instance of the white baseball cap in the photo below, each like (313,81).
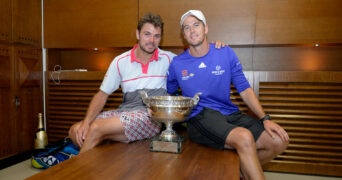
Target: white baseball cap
(197,13)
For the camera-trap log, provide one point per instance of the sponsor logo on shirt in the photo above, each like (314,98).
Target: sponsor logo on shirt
(202,65)
(218,71)
(186,75)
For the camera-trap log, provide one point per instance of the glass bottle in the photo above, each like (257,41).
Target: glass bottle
(41,139)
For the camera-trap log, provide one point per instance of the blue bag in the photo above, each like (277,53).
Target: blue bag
(55,154)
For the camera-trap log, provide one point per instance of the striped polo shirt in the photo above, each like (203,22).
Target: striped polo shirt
(129,73)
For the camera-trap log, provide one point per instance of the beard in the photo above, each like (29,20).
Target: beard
(146,50)
(195,42)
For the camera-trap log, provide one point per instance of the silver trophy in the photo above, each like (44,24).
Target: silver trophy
(169,110)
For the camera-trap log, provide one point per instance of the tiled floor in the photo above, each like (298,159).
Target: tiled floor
(23,170)
(18,171)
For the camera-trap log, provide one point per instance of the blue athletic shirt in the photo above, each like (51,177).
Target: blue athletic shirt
(212,75)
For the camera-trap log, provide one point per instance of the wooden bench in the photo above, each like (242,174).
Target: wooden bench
(134,161)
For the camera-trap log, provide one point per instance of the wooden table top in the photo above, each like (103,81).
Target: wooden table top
(135,161)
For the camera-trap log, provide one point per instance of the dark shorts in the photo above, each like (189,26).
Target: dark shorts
(211,128)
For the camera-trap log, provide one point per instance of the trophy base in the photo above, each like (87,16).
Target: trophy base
(159,144)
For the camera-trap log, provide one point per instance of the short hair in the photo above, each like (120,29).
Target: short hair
(154,19)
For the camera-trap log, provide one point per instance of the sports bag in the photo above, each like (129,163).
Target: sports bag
(54,154)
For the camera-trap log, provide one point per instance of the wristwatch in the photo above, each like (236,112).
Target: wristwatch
(266,117)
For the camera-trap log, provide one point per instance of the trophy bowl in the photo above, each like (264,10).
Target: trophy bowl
(169,110)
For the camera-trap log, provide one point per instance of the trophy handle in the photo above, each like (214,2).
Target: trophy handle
(144,97)
(196,98)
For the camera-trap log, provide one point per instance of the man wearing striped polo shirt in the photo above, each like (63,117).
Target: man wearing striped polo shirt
(142,67)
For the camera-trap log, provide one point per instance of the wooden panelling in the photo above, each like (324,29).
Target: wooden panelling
(248,22)
(90,23)
(255,21)
(20,22)
(279,58)
(296,58)
(298,22)
(20,74)
(231,21)
(69,94)
(83,58)
(7,105)
(309,106)
(21,97)
(27,22)
(29,94)
(5,68)
(5,20)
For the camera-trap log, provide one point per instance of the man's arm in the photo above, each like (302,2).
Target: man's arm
(249,97)
(96,105)
(272,128)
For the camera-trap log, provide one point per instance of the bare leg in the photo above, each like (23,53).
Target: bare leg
(269,148)
(102,129)
(242,140)
(99,130)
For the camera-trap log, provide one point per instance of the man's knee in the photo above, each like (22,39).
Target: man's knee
(94,131)
(276,145)
(93,127)
(279,145)
(72,130)
(241,138)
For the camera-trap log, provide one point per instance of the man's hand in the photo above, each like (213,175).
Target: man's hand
(218,44)
(81,133)
(273,129)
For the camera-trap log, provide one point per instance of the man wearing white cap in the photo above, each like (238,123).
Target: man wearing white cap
(216,121)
